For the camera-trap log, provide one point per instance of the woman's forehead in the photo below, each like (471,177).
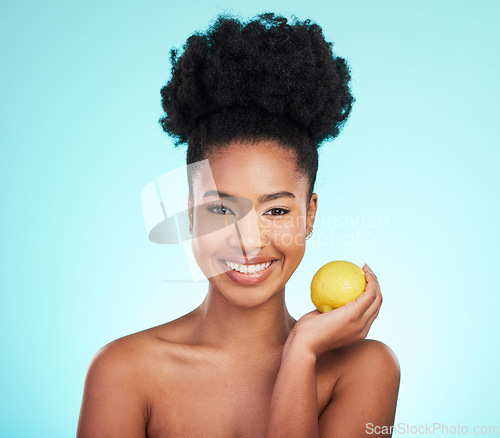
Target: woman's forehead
(250,170)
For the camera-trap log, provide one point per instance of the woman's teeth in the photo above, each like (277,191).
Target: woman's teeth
(248,269)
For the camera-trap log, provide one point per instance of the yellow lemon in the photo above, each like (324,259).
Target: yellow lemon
(335,284)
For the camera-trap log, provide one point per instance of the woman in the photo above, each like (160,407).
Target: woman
(254,101)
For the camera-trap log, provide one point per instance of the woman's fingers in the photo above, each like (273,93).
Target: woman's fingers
(368,270)
(363,307)
(372,316)
(374,309)
(369,296)
(369,275)
(369,302)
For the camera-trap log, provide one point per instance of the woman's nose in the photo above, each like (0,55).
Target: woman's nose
(248,234)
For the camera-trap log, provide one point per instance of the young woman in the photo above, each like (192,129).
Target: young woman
(253,101)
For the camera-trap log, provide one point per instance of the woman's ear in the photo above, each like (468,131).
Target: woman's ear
(311,212)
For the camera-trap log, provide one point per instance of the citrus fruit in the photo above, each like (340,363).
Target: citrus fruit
(335,284)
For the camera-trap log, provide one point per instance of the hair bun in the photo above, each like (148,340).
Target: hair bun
(284,69)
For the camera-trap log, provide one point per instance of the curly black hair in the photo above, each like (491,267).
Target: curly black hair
(267,79)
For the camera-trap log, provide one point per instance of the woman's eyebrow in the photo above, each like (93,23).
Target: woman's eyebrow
(264,198)
(218,194)
(272,196)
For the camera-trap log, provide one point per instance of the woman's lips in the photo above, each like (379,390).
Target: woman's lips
(253,273)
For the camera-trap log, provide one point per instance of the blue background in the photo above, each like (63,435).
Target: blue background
(410,187)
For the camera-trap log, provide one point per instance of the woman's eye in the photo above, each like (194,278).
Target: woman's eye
(220,209)
(277,211)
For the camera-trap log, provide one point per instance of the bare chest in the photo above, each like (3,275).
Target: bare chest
(206,404)
(211,401)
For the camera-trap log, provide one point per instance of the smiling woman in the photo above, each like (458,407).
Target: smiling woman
(271,233)
(253,101)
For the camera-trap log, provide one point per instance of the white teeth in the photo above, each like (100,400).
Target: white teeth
(248,269)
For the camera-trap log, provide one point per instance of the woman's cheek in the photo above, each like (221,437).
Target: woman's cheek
(289,238)
(207,245)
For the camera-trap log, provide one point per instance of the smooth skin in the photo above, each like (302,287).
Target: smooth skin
(239,365)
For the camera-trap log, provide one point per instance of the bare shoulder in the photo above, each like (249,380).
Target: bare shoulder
(114,402)
(366,381)
(111,404)
(368,364)
(367,357)
(119,382)
(372,356)
(132,355)
(121,356)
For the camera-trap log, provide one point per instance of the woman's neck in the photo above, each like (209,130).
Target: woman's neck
(243,330)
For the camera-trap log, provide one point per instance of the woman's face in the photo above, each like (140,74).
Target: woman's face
(250,217)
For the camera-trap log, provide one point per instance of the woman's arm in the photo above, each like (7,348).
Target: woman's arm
(294,405)
(371,383)
(112,405)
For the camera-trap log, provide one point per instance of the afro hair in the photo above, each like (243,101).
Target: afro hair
(267,79)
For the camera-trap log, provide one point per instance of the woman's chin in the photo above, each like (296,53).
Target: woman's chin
(243,295)
(248,300)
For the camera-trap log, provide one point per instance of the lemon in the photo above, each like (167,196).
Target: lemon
(335,284)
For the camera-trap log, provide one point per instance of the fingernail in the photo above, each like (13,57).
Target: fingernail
(369,269)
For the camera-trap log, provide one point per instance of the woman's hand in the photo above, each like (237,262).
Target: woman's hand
(319,332)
